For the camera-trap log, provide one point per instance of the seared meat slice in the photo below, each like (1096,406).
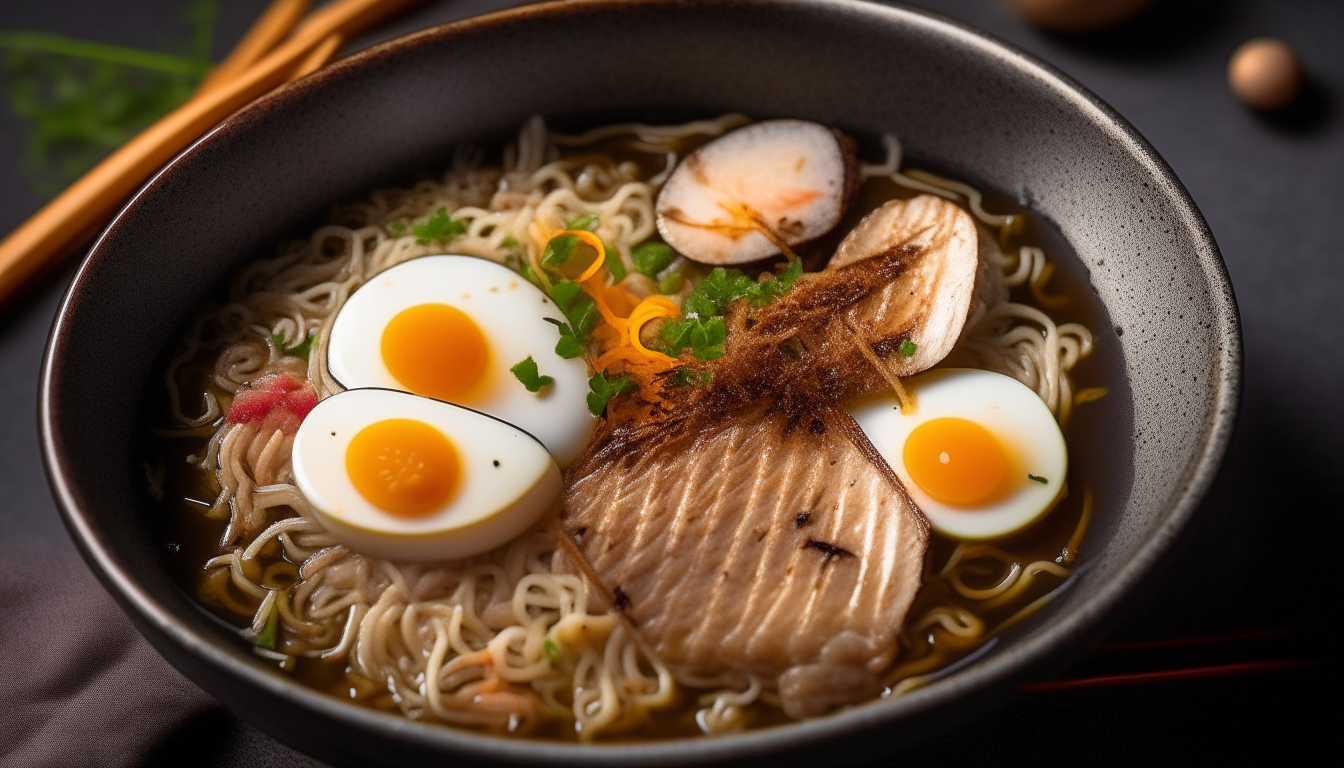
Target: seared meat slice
(927,304)
(753,548)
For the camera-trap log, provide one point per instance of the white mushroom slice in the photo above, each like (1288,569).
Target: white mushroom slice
(930,301)
(751,193)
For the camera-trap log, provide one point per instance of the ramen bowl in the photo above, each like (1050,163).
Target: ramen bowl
(962,103)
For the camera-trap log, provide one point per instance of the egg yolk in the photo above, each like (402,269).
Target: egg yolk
(956,461)
(404,467)
(435,350)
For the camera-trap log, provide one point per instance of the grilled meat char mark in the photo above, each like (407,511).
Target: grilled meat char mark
(928,303)
(697,537)
(690,514)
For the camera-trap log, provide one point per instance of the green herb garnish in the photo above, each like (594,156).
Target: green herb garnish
(604,387)
(581,314)
(652,257)
(907,348)
(510,242)
(82,99)
(1040,480)
(701,328)
(526,372)
(683,377)
(552,651)
(266,638)
(669,284)
(613,263)
(438,228)
(558,250)
(396,228)
(586,223)
(298,350)
(704,337)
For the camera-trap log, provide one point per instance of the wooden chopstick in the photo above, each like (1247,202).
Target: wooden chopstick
(58,229)
(318,57)
(271,27)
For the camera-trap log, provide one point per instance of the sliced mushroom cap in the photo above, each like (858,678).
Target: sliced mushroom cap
(928,303)
(743,195)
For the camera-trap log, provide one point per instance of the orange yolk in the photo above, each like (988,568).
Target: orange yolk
(956,461)
(404,467)
(435,350)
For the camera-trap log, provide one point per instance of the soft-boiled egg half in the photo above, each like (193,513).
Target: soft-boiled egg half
(450,328)
(980,453)
(403,477)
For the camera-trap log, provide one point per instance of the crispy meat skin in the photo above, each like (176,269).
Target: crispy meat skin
(929,301)
(748,528)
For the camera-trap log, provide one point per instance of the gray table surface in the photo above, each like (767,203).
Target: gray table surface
(1273,192)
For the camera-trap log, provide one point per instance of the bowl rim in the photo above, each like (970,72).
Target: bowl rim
(1005,667)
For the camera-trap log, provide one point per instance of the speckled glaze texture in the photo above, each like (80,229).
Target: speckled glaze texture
(960,102)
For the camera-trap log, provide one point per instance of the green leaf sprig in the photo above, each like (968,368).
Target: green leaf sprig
(526,372)
(652,257)
(587,223)
(581,315)
(701,327)
(438,228)
(302,349)
(604,386)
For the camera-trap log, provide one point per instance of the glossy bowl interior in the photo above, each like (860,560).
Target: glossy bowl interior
(961,103)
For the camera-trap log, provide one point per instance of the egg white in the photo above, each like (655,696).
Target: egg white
(1011,411)
(511,313)
(507,479)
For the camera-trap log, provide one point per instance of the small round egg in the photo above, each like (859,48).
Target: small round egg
(981,454)
(450,328)
(403,477)
(1265,73)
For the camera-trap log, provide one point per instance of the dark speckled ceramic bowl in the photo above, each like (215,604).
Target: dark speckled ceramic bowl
(961,103)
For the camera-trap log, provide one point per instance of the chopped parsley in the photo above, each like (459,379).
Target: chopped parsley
(561,247)
(580,313)
(669,284)
(1035,478)
(684,377)
(526,372)
(558,250)
(552,651)
(586,223)
(438,228)
(604,387)
(651,258)
(701,328)
(704,337)
(298,350)
(907,348)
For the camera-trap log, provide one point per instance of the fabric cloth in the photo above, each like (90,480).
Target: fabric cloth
(79,686)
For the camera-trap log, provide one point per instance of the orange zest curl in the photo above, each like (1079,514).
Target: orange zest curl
(619,348)
(649,309)
(595,243)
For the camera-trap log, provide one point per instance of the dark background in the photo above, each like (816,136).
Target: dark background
(1260,557)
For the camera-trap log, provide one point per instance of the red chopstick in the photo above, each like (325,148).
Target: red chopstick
(1188,673)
